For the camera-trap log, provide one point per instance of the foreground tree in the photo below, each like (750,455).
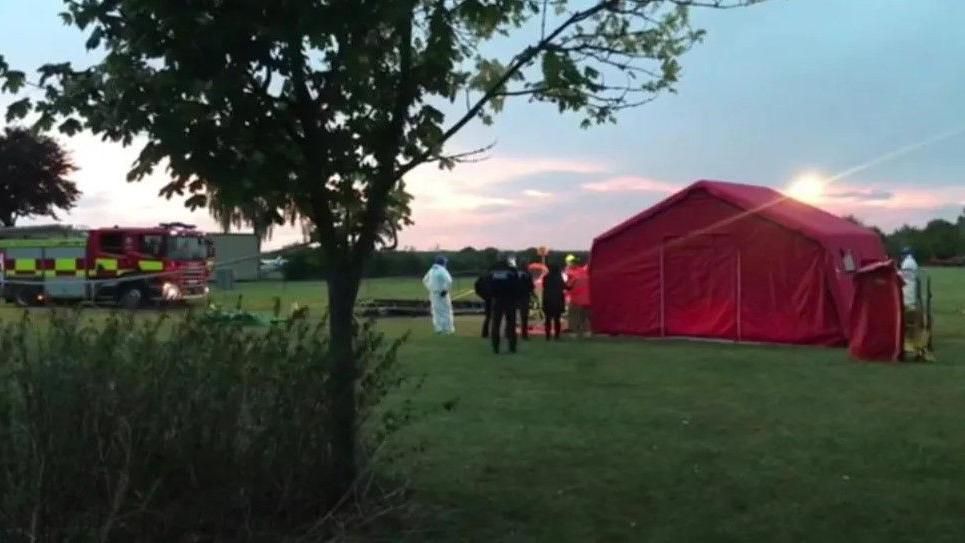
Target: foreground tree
(319,108)
(33,177)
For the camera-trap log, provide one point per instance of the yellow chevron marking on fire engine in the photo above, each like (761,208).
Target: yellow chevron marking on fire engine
(107,264)
(65,264)
(25,265)
(151,265)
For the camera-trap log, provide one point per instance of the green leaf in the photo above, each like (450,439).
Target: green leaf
(196,201)
(18,109)
(13,81)
(70,127)
(552,67)
(94,41)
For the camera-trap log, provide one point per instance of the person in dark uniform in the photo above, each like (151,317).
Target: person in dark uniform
(554,300)
(504,287)
(484,291)
(526,289)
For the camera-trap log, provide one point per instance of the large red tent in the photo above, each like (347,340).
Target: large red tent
(730,261)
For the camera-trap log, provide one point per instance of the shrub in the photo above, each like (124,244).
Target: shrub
(175,429)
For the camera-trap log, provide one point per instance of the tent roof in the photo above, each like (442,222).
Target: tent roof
(767,202)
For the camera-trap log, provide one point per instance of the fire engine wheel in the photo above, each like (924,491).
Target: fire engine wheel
(27,297)
(132,297)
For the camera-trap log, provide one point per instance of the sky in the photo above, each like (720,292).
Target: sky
(857,106)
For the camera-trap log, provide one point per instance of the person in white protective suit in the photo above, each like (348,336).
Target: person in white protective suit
(909,273)
(438,282)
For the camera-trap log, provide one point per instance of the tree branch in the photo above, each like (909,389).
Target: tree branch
(715,4)
(473,156)
(519,61)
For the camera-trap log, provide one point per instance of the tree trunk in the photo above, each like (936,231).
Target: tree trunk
(343,286)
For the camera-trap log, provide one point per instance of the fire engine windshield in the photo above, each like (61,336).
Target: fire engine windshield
(187,248)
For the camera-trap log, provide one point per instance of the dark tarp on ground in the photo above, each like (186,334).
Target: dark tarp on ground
(729,261)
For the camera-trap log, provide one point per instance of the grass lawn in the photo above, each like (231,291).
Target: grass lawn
(626,440)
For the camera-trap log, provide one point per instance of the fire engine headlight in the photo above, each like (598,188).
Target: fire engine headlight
(170,291)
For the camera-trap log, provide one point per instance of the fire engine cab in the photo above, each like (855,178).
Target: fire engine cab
(132,267)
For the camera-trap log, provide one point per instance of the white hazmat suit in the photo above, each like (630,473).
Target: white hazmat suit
(909,272)
(438,282)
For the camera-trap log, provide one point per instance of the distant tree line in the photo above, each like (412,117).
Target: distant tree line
(938,242)
(306,263)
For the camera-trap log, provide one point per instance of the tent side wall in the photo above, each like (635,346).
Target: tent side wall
(781,289)
(877,320)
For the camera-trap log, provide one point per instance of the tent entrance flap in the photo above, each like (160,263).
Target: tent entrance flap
(700,287)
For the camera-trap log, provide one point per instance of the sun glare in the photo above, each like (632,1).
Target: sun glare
(807,188)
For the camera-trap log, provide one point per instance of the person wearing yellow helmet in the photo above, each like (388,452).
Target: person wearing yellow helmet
(572,262)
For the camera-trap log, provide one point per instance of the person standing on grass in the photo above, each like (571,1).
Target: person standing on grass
(526,290)
(579,287)
(554,301)
(504,286)
(438,282)
(484,291)
(909,273)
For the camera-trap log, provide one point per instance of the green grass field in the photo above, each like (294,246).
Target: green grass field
(627,440)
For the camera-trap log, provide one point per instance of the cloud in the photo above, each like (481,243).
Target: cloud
(453,201)
(472,186)
(630,183)
(866,195)
(892,204)
(496,170)
(476,203)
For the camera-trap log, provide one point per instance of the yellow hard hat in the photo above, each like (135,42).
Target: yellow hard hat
(570,259)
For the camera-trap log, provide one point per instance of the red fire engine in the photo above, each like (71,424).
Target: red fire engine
(128,266)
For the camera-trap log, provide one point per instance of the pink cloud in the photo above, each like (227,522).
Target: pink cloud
(499,169)
(537,194)
(631,183)
(889,205)
(467,186)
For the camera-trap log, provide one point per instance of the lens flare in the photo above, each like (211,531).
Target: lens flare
(809,189)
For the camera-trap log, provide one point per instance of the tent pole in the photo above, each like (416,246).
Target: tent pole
(663,305)
(739,331)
